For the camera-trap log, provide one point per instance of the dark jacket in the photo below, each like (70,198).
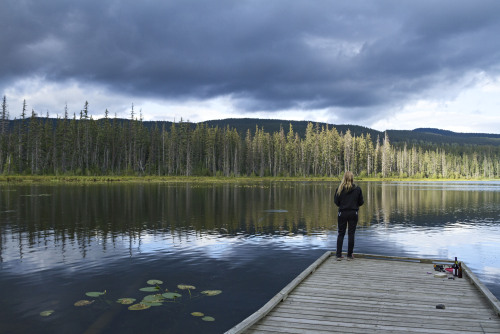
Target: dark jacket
(350,200)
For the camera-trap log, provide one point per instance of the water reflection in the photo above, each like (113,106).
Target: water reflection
(70,220)
(433,204)
(251,239)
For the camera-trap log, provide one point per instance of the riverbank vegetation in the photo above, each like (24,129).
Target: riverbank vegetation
(62,179)
(114,149)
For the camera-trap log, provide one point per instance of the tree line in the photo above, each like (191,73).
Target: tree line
(81,145)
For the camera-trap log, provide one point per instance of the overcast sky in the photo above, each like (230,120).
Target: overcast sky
(381,64)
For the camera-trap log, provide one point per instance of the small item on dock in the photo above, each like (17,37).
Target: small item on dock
(438,267)
(455,267)
(460,270)
(440,306)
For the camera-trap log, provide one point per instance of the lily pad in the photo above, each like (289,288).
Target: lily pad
(207,318)
(46,313)
(138,307)
(149,289)
(95,294)
(171,295)
(211,292)
(154,282)
(152,303)
(153,298)
(83,302)
(197,314)
(126,301)
(186,287)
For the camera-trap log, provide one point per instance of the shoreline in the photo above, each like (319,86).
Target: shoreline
(54,179)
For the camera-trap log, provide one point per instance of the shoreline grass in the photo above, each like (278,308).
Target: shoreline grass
(58,179)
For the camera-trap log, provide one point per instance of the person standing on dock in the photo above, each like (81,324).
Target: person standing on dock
(348,197)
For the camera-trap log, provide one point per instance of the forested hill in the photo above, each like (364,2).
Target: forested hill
(235,147)
(274,125)
(455,134)
(436,136)
(420,136)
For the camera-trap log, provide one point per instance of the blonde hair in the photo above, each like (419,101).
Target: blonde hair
(346,183)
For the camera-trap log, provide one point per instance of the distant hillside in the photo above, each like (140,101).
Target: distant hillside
(435,136)
(274,125)
(420,136)
(457,134)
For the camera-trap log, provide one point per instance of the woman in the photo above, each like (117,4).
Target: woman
(348,197)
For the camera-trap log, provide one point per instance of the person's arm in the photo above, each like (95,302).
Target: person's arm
(336,198)
(361,201)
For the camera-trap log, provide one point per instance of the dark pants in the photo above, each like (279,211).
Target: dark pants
(346,219)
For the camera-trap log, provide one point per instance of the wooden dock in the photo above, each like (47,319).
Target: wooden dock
(377,294)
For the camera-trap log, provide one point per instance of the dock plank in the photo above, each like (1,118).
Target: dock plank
(377,295)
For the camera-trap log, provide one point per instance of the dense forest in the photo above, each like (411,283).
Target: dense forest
(81,145)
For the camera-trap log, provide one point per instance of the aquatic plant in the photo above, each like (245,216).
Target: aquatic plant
(139,307)
(83,302)
(197,314)
(95,294)
(186,287)
(160,296)
(153,300)
(171,295)
(211,292)
(205,317)
(126,301)
(46,313)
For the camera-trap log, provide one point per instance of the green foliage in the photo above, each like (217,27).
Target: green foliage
(86,147)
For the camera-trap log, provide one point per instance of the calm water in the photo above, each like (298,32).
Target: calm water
(248,240)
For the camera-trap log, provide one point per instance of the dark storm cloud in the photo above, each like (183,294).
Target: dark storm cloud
(268,55)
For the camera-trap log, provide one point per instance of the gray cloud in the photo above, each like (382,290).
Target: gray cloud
(266,55)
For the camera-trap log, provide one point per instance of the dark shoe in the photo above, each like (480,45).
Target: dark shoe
(350,258)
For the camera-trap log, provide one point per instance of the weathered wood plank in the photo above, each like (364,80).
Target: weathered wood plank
(380,318)
(333,325)
(393,307)
(393,313)
(387,295)
(377,294)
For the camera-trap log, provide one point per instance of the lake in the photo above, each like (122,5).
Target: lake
(247,240)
